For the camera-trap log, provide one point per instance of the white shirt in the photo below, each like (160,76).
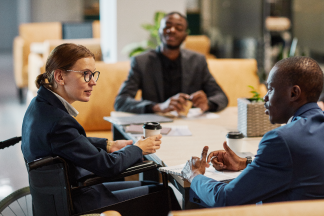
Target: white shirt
(71,110)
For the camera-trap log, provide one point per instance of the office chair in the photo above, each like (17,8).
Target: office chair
(51,190)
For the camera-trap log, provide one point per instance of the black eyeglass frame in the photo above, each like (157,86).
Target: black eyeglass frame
(86,72)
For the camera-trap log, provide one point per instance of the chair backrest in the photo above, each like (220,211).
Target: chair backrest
(96,29)
(103,97)
(38,32)
(234,76)
(197,43)
(92,44)
(50,187)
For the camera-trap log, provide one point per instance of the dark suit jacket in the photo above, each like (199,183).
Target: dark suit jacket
(146,74)
(288,166)
(48,130)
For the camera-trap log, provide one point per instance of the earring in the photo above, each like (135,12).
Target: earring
(62,83)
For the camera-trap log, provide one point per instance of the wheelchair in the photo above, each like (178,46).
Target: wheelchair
(19,202)
(55,189)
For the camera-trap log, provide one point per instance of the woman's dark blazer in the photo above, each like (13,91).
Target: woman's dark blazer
(49,130)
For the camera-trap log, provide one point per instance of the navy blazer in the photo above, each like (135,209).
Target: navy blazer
(146,74)
(49,130)
(288,166)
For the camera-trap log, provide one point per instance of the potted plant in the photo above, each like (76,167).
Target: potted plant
(136,48)
(252,120)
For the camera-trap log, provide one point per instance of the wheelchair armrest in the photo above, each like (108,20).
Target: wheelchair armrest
(137,168)
(10,142)
(44,162)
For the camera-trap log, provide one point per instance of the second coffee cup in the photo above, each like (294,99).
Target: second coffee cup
(234,140)
(151,129)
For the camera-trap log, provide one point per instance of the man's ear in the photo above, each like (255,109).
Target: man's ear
(58,77)
(295,93)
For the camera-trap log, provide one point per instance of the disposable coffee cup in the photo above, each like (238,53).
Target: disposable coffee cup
(151,129)
(234,140)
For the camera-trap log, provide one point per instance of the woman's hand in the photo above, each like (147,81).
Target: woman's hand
(113,146)
(150,144)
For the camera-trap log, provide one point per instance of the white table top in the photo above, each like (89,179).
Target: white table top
(177,150)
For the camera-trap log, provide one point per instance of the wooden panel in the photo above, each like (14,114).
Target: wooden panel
(296,208)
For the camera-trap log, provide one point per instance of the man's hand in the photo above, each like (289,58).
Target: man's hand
(175,102)
(226,160)
(199,99)
(117,145)
(195,166)
(150,144)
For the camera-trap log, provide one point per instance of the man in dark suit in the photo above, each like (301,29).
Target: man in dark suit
(169,76)
(289,162)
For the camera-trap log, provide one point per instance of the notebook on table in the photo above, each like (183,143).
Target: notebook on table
(138,119)
(211,172)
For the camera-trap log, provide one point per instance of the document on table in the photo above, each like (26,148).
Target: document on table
(195,113)
(211,172)
(175,130)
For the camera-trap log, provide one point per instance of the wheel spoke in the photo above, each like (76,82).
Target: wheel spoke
(21,207)
(12,210)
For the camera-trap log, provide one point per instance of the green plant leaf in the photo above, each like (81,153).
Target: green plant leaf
(148,27)
(136,51)
(157,18)
(256,95)
(137,48)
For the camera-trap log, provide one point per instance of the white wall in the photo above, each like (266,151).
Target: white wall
(124,27)
(56,10)
(8,24)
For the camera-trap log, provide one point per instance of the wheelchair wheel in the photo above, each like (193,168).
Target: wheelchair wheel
(18,203)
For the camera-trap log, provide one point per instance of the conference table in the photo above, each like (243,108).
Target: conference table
(207,130)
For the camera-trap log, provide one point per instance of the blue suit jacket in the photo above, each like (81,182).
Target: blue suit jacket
(48,130)
(289,165)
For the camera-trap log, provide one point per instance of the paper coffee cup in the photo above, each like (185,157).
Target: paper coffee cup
(151,129)
(234,140)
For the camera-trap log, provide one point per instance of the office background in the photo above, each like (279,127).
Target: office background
(236,29)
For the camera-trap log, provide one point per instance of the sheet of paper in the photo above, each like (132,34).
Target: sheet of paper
(211,172)
(179,130)
(196,113)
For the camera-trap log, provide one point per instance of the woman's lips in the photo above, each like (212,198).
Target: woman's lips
(88,92)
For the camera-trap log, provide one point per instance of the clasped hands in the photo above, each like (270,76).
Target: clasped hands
(221,160)
(179,101)
(148,145)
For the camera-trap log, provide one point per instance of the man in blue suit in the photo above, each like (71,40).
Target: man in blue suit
(289,162)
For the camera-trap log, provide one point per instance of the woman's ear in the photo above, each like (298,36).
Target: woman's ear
(58,76)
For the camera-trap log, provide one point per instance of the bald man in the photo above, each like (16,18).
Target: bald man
(290,160)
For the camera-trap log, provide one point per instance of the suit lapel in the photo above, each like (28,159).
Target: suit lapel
(45,95)
(157,75)
(185,70)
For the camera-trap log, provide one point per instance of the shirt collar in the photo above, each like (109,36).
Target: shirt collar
(71,110)
(313,107)
(168,63)
(290,119)
(304,111)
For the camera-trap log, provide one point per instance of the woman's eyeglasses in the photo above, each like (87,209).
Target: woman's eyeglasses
(88,75)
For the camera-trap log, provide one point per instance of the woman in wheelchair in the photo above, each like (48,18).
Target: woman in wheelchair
(49,129)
